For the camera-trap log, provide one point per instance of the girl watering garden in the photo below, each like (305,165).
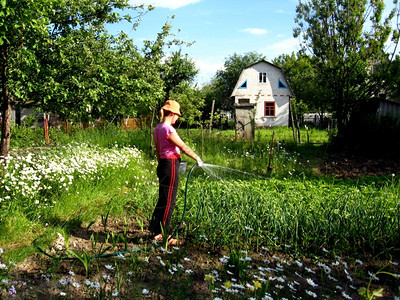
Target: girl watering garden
(168,148)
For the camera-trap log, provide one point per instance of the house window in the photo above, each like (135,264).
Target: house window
(243,85)
(262,77)
(269,109)
(241,101)
(281,85)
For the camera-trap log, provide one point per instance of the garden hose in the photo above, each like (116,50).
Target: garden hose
(130,251)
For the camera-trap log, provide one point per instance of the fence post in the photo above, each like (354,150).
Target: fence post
(212,114)
(46,128)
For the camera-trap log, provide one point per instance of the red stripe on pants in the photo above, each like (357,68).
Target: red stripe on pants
(170,191)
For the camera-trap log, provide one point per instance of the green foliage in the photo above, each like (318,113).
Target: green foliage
(345,37)
(24,137)
(303,77)
(176,71)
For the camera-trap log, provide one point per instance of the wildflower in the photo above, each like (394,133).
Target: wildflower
(204,237)
(63,294)
(3,266)
(257,284)
(106,277)
(280,279)
(12,291)
(76,285)
(1,251)
(311,282)
(250,287)
(346,296)
(279,286)
(63,281)
(359,261)
(145,291)
(312,294)
(373,276)
(327,269)
(109,267)
(227,284)
(326,251)
(210,278)
(309,270)
(332,278)
(115,293)
(224,260)
(299,263)
(71,273)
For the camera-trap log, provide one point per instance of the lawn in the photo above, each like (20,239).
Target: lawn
(260,220)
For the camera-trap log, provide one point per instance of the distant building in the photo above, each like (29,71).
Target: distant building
(264,85)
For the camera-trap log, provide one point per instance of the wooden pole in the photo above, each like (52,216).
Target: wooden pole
(46,129)
(212,114)
(291,116)
(67,127)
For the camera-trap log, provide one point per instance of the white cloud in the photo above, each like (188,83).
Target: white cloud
(283,47)
(171,4)
(206,70)
(256,31)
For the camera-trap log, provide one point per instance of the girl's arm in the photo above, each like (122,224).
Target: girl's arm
(174,138)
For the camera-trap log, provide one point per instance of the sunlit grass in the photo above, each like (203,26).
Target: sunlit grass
(234,204)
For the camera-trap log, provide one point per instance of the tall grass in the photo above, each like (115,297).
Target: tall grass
(308,215)
(238,202)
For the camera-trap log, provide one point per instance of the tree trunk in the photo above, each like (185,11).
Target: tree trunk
(6,107)
(5,128)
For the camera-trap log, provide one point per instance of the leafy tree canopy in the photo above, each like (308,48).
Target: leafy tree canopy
(344,38)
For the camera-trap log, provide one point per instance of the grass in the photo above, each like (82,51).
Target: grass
(235,203)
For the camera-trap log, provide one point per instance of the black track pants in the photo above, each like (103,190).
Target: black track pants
(168,176)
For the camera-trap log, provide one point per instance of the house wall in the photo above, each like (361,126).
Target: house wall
(258,93)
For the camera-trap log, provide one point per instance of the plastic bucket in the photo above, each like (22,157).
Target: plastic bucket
(182,167)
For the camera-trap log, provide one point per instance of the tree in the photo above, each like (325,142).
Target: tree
(191,101)
(28,31)
(304,81)
(344,38)
(176,70)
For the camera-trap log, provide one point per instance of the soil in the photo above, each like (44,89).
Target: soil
(180,272)
(345,166)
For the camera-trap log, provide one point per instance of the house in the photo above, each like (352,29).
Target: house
(264,86)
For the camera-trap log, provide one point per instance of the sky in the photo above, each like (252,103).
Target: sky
(221,28)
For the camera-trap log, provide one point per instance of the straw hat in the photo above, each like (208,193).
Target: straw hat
(172,106)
